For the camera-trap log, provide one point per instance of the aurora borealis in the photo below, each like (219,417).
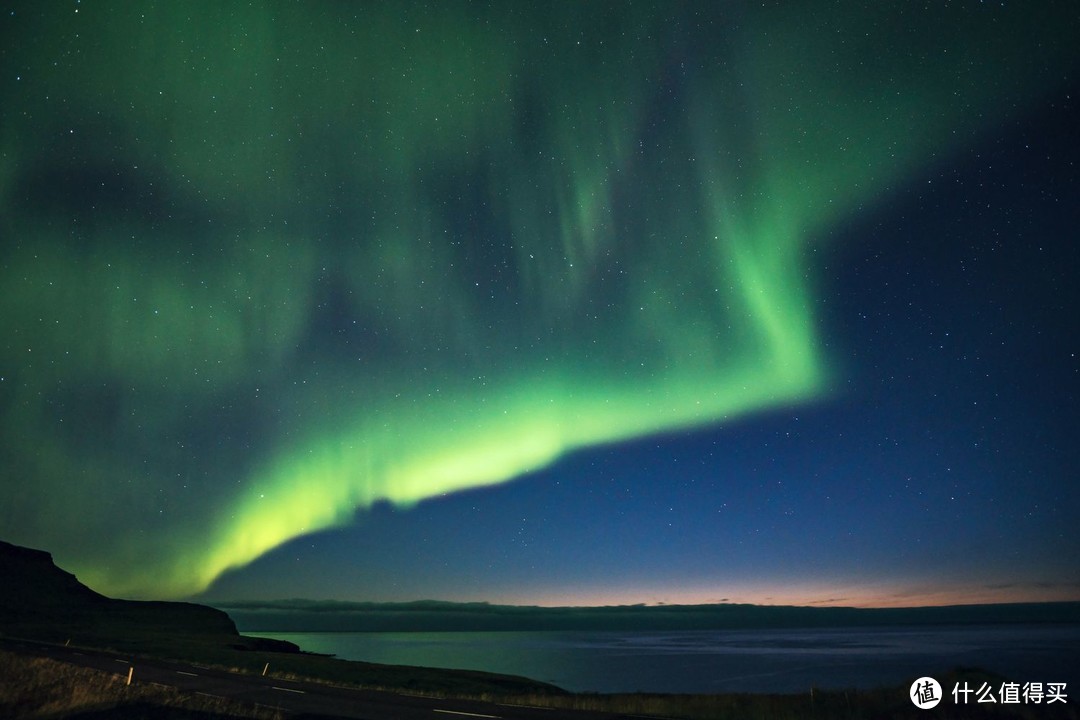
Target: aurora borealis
(282,280)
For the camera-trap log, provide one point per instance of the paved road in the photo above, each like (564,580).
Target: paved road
(291,696)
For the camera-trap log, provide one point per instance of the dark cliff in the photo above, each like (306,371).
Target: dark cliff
(39,600)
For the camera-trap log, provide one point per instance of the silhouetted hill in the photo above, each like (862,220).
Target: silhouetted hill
(34,586)
(39,600)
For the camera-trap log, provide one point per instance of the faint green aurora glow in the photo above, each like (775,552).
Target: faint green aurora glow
(272,267)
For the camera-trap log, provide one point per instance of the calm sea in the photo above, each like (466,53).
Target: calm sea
(724,661)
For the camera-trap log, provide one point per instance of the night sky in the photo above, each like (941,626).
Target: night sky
(580,303)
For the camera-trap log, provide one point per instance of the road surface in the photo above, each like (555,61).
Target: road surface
(292,696)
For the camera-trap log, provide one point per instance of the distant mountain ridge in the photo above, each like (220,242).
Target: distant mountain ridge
(434,616)
(41,601)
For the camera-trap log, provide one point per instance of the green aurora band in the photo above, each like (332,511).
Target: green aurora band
(274,263)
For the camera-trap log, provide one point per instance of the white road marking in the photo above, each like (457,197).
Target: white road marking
(298,692)
(181,672)
(126,662)
(216,697)
(466,714)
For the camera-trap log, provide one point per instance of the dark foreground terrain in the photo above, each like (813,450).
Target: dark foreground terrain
(41,602)
(68,652)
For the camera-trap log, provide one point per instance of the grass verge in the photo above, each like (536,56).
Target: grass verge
(45,689)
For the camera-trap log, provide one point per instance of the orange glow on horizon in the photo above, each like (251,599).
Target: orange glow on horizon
(863,596)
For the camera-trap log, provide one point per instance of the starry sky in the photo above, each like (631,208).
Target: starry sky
(581,303)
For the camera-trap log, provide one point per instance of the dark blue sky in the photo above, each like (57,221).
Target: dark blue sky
(937,468)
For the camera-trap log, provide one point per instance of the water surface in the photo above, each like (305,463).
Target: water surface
(723,661)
